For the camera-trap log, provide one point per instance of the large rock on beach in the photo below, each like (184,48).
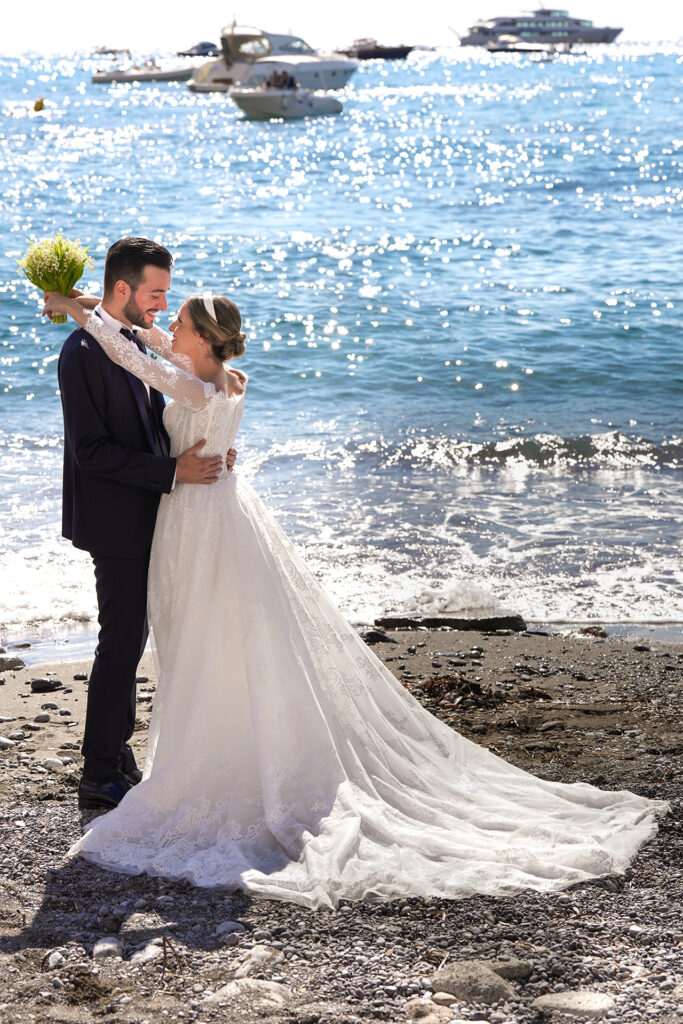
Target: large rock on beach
(264,997)
(46,685)
(228,928)
(488,625)
(147,952)
(109,945)
(509,968)
(9,663)
(259,959)
(579,1003)
(426,1011)
(472,982)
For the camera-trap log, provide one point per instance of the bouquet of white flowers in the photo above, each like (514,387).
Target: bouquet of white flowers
(56,265)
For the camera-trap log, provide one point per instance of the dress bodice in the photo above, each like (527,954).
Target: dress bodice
(217,423)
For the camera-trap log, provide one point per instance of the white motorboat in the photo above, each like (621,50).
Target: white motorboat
(250,56)
(149,72)
(287,103)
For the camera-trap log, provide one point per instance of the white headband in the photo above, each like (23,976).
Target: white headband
(209,306)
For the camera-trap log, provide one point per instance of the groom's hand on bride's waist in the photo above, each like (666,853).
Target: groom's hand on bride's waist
(191,468)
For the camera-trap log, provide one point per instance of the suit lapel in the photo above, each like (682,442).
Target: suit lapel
(140,395)
(158,440)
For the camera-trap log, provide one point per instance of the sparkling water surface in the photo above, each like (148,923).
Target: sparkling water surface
(462,298)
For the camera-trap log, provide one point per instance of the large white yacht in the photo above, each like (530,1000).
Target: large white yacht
(250,56)
(545,26)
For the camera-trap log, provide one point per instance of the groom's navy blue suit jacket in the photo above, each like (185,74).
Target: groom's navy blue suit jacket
(116,463)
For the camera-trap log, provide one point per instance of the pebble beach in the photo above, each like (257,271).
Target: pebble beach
(79,943)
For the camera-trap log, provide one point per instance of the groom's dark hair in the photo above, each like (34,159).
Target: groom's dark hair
(126,261)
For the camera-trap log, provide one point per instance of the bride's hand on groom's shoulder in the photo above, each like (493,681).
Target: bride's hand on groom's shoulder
(237,382)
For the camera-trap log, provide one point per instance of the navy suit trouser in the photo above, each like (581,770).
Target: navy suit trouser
(110,718)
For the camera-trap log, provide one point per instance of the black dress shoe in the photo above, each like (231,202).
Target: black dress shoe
(133,776)
(97,796)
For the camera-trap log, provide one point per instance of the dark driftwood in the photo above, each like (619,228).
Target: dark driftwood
(513,622)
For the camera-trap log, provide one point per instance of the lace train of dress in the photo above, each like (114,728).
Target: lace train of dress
(284,759)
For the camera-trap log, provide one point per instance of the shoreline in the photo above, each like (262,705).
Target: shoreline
(77,642)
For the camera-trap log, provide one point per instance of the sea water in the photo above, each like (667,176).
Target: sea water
(463,305)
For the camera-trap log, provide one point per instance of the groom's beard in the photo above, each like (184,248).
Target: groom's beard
(136,315)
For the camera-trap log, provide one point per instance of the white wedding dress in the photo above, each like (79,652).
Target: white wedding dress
(284,759)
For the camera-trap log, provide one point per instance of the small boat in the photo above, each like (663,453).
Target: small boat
(203,49)
(287,103)
(108,51)
(148,72)
(370,49)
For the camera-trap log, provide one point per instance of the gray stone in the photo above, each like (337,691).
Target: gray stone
(259,959)
(146,953)
(262,996)
(579,1003)
(109,945)
(51,762)
(6,743)
(227,928)
(42,717)
(10,663)
(487,625)
(55,959)
(18,736)
(472,982)
(45,685)
(427,1012)
(510,968)
(443,998)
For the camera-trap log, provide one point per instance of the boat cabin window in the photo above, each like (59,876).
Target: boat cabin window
(254,48)
(294,46)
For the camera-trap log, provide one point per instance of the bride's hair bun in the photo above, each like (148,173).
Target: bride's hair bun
(224,334)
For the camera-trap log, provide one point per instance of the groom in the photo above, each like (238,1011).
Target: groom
(117,464)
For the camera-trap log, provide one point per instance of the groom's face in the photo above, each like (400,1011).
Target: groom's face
(149,298)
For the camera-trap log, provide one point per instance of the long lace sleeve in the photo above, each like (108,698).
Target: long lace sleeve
(162,343)
(175,382)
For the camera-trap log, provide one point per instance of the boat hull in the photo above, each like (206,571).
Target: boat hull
(291,104)
(378,52)
(584,37)
(150,75)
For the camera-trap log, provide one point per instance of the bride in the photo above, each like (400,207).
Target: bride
(284,759)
